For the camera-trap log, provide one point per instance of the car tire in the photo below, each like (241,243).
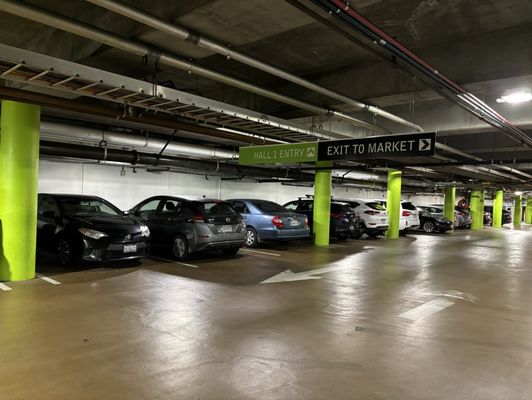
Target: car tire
(252,238)
(342,236)
(230,251)
(357,234)
(65,252)
(180,249)
(373,234)
(429,227)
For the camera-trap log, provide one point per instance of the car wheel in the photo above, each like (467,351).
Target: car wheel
(342,236)
(356,234)
(429,227)
(180,248)
(252,239)
(65,252)
(373,234)
(230,251)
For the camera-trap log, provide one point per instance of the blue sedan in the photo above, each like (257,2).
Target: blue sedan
(266,220)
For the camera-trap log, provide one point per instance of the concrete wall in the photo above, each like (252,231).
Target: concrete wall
(127,190)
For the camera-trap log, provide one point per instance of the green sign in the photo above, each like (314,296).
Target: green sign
(280,154)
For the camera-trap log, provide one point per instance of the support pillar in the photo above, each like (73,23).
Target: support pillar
(19,162)
(393,199)
(322,204)
(518,210)
(449,202)
(497,208)
(477,209)
(528,216)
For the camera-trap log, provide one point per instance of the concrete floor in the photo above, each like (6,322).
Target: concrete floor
(424,317)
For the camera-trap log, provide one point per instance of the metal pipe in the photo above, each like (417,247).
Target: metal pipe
(140,49)
(207,43)
(56,132)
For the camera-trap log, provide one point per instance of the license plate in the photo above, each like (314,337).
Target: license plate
(226,228)
(384,220)
(294,222)
(130,248)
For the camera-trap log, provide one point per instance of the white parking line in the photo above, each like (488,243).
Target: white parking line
(261,252)
(4,287)
(174,262)
(47,279)
(427,309)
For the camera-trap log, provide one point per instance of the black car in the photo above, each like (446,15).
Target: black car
(430,223)
(343,223)
(87,228)
(189,226)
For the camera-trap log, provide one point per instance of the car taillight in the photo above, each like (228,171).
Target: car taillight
(459,213)
(277,222)
(198,218)
(406,213)
(370,212)
(337,215)
(306,223)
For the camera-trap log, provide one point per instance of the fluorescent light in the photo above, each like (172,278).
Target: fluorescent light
(516,97)
(518,193)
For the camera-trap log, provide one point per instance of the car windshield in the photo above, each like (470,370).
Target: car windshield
(208,208)
(340,208)
(376,206)
(82,206)
(269,206)
(408,206)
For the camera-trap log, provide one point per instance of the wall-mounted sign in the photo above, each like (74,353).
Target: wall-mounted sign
(367,148)
(280,154)
(409,145)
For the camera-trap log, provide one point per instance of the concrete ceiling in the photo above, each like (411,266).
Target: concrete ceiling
(480,44)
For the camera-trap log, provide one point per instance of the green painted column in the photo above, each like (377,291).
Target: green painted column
(393,200)
(476,206)
(322,204)
(19,162)
(528,216)
(497,208)
(518,210)
(449,202)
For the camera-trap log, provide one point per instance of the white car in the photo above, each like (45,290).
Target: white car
(409,217)
(373,215)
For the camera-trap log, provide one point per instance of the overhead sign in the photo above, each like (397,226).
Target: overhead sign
(407,145)
(280,154)
(366,148)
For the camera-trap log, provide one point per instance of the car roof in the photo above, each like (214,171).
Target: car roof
(72,196)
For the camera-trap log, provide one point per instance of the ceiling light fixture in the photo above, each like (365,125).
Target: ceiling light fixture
(518,193)
(516,97)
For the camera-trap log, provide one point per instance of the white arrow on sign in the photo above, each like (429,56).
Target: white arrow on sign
(424,144)
(288,275)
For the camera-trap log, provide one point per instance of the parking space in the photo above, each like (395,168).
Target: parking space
(388,314)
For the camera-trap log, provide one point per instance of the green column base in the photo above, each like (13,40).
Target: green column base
(449,202)
(393,200)
(322,204)
(497,209)
(19,158)
(518,211)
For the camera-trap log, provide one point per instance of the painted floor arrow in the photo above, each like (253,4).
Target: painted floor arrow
(288,275)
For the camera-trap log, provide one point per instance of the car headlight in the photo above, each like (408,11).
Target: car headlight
(144,231)
(91,233)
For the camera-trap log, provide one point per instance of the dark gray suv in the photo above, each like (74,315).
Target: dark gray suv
(189,226)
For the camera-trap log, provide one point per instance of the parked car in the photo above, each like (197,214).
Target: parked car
(408,217)
(430,222)
(266,220)
(372,214)
(462,216)
(87,228)
(343,222)
(506,215)
(189,226)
